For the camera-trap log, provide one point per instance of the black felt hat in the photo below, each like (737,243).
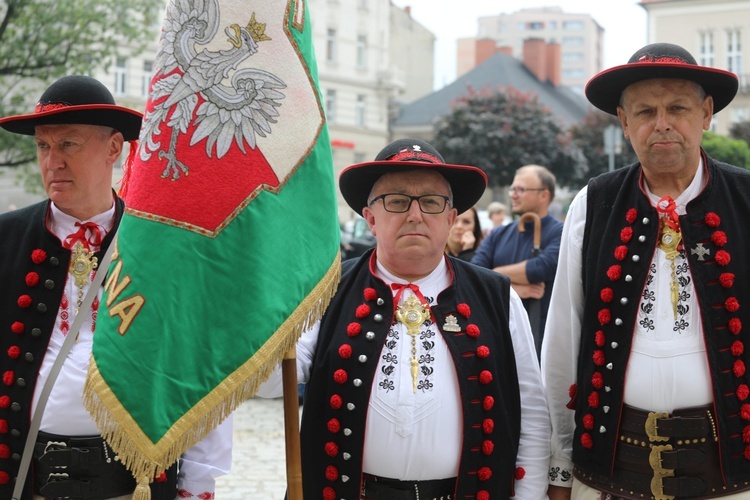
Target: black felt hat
(467,183)
(77,100)
(660,60)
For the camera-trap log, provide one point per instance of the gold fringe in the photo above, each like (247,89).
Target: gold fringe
(146,459)
(142,491)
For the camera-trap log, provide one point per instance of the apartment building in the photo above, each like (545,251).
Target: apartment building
(717,33)
(579,36)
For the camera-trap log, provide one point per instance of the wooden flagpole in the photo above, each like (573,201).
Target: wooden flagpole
(291,426)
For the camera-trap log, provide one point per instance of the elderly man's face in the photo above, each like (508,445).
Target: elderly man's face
(664,120)
(76,165)
(410,244)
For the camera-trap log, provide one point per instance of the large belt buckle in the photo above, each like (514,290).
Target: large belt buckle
(651,429)
(657,482)
(55,445)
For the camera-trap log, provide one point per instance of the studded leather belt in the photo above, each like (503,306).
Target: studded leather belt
(664,456)
(382,488)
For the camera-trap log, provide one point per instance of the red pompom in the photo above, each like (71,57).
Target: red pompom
(160,478)
(737,348)
(487,403)
(4,451)
(484,473)
(464,310)
(723,258)
(483,351)
(340,376)
(4,401)
(597,380)
(735,325)
(353,329)
(472,330)
(746,453)
(712,220)
(332,473)
(38,256)
(483,495)
(334,425)
(631,215)
(32,279)
(488,425)
(745,411)
(588,421)
(520,472)
(336,401)
(738,368)
(594,399)
(607,295)
(746,434)
(329,493)
(24,301)
(614,272)
(332,449)
(362,311)
(345,351)
(599,338)
(9,378)
(626,234)
(604,316)
(17,327)
(488,447)
(599,358)
(3,426)
(726,280)
(4,477)
(485,377)
(370,294)
(732,304)
(719,238)
(621,252)
(586,441)
(743,391)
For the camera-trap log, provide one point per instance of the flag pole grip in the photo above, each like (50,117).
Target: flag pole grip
(291,426)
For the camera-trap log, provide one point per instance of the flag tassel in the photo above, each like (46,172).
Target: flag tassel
(142,491)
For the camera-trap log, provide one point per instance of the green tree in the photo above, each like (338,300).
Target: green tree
(502,130)
(726,149)
(589,137)
(41,40)
(740,130)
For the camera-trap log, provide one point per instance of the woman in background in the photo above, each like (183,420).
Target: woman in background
(465,236)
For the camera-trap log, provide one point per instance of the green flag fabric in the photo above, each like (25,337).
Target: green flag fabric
(229,247)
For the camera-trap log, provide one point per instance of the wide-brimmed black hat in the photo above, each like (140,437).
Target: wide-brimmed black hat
(78,100)
(660,60)
(356,181)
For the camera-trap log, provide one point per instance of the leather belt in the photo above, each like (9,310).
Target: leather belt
(383,488)
(664,456)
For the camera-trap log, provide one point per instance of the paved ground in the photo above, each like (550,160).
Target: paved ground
(258,463)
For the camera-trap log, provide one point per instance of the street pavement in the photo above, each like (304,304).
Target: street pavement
(258,462)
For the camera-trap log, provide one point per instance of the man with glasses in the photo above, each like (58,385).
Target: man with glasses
(422,380)
(508,251)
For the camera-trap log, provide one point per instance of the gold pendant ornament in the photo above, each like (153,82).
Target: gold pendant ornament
(669,242)
(82,262)
(412,313)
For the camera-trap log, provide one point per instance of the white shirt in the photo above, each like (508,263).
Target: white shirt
(65,414)
(406,431)
(667,369)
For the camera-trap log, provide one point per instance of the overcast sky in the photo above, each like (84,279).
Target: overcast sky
(624,23)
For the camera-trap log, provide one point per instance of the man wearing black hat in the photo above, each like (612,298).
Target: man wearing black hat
(49,255)
(422,375)
(644,354)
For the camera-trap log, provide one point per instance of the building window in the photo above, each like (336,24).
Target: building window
(553,25)
(572,25)
(331,45)
(331,105)
(361,52)
(734,51)
(572,73)
(740,114)
(536,26)
(146,79)
(121,76)
(571,41)
(521,26)
(707,49)
(572,57)
(359,111)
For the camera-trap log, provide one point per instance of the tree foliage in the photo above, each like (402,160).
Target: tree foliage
(740,130)
(589,137)
(502,130)
(733,151)
(41,40)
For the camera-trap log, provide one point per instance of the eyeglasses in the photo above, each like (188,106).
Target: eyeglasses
(521,190)
(401,203)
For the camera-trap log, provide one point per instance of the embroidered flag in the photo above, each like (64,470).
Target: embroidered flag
(229,247)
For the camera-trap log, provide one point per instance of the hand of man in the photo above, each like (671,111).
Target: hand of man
(530,291)
(558,493)
(467,240)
